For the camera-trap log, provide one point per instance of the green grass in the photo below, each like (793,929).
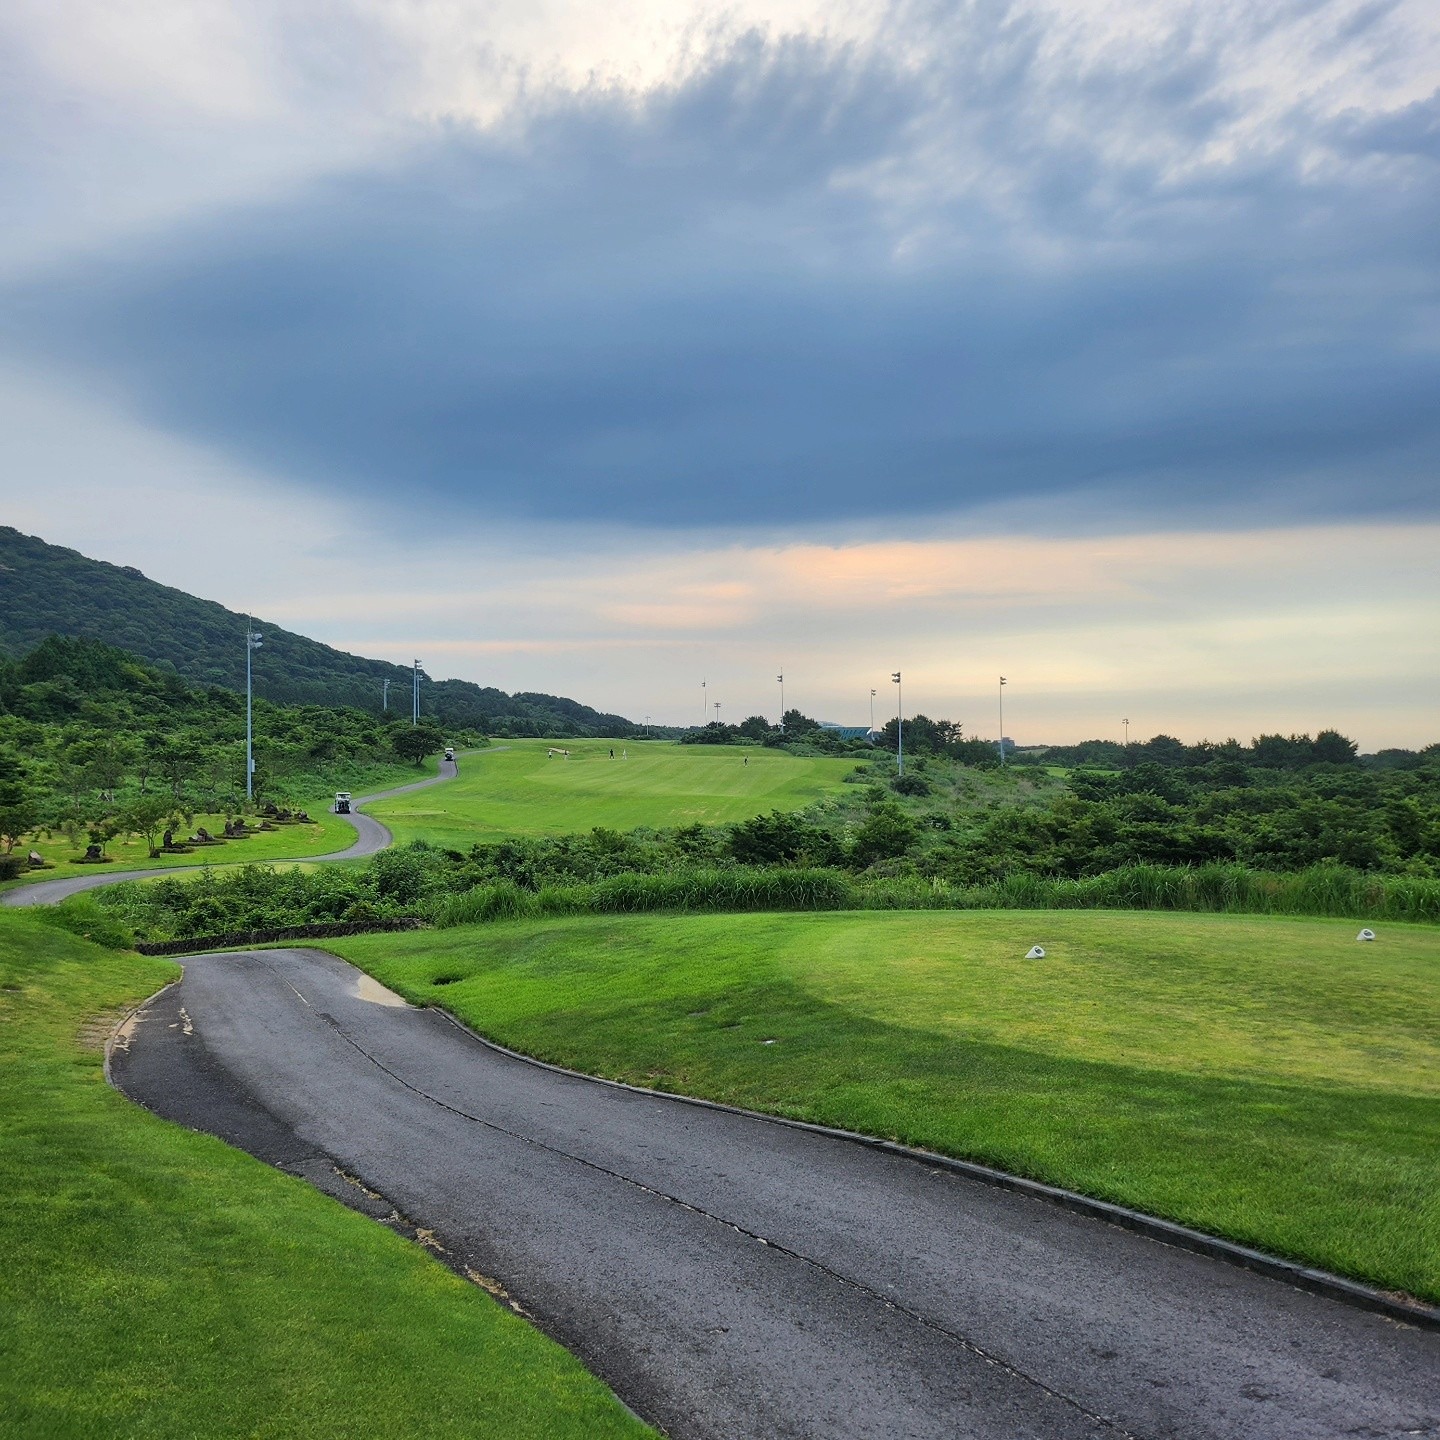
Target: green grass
(327,833)
(158,1283)
(1267,1079)
(518,791)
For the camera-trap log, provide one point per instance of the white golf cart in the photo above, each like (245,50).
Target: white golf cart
(342,802)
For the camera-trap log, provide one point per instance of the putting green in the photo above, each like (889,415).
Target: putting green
(522,789)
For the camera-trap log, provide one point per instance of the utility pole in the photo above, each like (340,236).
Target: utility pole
(781,678)
(252,644)
(415,702)
(899,724)
(385,696)
(1002,720)
(717,712)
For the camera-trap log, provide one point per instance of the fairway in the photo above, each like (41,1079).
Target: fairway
(518,790)
(1271,1080)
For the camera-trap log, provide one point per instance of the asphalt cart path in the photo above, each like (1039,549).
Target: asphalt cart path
(370,838)
(733,1277)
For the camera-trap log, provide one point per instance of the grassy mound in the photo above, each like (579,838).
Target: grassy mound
(521,790)
(1267,1079)
(158,1283)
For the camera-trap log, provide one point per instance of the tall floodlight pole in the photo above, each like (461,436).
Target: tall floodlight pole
(872,715)
(252,644)
(899,724)
(717,712)
(1126,724)
(1002,719)
(703,684)
(781,679)
(647,727)
(415,699)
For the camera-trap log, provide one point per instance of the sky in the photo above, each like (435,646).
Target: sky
(607,350)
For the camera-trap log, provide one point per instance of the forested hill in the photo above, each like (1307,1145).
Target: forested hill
(48,590)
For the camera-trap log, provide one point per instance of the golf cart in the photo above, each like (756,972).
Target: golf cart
(450,753)
(342,802)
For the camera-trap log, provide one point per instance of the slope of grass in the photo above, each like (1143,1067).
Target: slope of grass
(1271,1080)
(158,1283)
(518,790)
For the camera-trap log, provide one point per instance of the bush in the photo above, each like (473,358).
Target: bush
(758,888)
(910,785)
(83,915)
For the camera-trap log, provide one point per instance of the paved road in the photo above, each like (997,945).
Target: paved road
(735,1278)
(370,838)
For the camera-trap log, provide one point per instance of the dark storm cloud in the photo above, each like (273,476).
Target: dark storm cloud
(815,283)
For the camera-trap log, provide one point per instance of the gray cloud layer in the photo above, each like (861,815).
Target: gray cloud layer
(815,282)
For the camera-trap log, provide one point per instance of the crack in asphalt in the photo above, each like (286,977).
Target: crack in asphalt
(953,1336)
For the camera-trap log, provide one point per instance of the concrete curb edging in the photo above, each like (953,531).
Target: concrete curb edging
(1319,1282)
(122,1022)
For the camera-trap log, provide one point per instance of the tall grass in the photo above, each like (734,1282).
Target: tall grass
(1325,890)
(750,888)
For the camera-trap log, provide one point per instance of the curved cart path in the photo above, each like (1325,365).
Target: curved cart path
(370,838)
(732,1277)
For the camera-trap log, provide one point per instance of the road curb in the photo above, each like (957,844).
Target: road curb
(1400,1308)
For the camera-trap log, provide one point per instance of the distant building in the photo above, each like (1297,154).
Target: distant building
(850,732)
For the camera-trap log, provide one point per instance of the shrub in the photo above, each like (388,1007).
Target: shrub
(910,785)
(83,915)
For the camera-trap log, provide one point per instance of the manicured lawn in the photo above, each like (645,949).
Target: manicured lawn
(1267,1079)
(129,852)
(518,790)
(157,1283)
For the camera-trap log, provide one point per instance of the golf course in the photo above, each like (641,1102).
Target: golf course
(1269,1080)
(531,787)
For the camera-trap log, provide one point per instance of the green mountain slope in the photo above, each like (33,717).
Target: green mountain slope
(49,590)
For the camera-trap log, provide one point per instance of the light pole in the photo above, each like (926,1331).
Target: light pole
(703,684)
(717,712)
(1001,693)
(385,695)
(1126,724)
(647,727)
(415,700)
(252,644)
(781,678)
(872,716)
(899,724)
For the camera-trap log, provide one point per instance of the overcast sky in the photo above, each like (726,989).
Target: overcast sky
(606,349)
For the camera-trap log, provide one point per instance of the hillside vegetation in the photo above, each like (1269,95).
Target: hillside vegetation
(99,747)
(48,590)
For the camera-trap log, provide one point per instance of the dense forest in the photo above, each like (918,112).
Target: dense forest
(47,590)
